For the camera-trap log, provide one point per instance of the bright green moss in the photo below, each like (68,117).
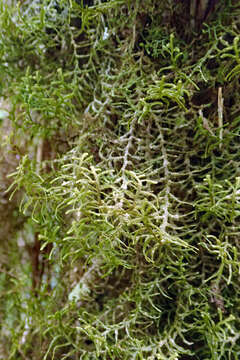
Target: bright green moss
(122,146)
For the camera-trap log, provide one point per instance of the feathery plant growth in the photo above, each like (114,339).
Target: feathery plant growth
(120,156)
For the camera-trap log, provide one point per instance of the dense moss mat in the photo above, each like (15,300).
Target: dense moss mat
(121,236)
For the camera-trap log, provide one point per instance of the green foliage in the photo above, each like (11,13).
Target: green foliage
(119,181)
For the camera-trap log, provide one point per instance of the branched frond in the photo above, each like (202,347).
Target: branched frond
(120,156)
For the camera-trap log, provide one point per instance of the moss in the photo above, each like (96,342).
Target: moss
(121,145)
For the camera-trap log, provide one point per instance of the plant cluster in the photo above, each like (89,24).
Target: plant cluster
(120,156)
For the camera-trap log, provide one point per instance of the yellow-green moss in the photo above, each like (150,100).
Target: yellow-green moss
(125,178)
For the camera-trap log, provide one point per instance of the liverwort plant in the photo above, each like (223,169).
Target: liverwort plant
(119,181)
